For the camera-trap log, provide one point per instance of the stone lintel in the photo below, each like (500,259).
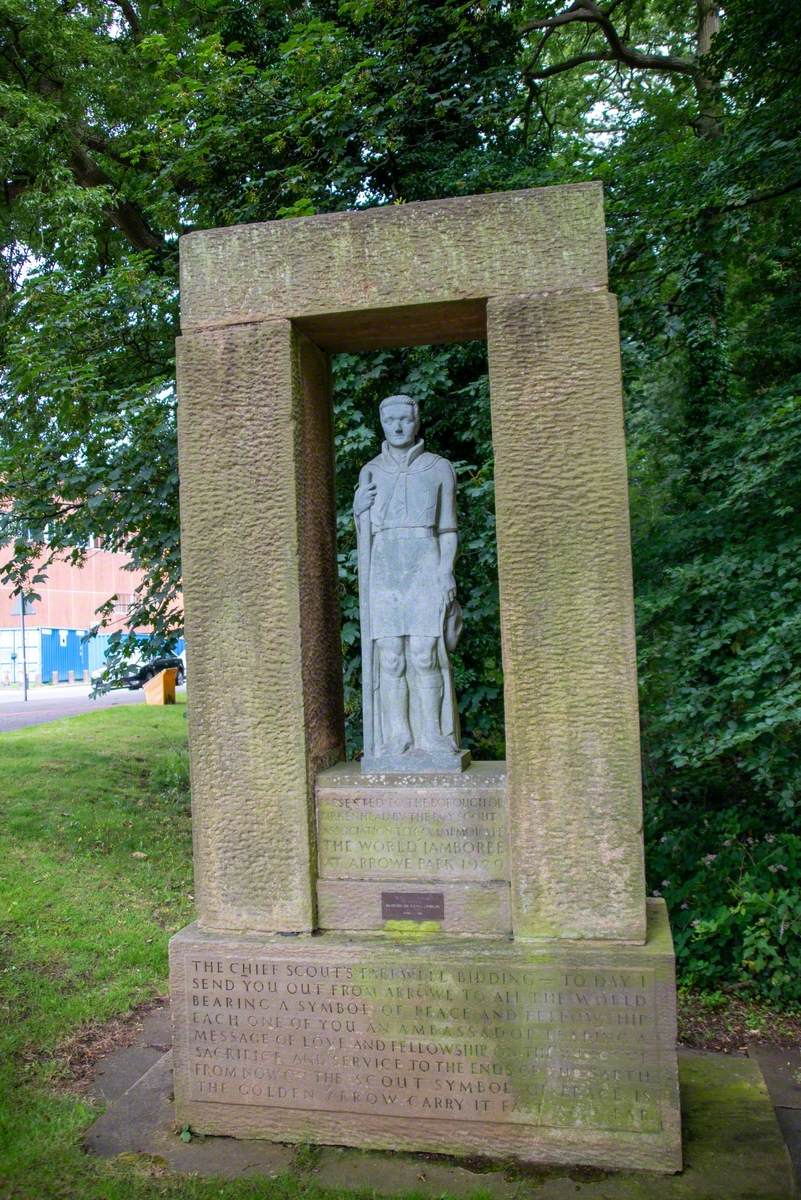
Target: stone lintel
(431,253)
(406,325)
(542,1052)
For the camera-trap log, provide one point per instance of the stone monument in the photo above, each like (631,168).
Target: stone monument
(405,510)
(427,954)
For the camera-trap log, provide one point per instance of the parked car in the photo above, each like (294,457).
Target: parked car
(147,670)
(141,672)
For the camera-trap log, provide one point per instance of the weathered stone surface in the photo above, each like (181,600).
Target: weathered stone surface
(126,1126)
(558,1052)
(781,1067)
(413,827)
(392,907)
(261,618)
(142,1121)
(429,253)
(567,622)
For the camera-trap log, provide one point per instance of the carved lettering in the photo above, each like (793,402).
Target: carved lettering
(457,835)
(531,1045)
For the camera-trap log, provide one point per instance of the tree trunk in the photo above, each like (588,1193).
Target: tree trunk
(705,292)
(707,90)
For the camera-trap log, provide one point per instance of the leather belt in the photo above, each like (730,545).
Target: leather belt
(406,531)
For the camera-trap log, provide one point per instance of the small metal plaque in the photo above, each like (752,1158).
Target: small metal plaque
(413,906)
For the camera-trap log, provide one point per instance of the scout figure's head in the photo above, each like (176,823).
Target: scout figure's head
(400,420)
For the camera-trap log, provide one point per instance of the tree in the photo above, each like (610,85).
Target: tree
(124,126)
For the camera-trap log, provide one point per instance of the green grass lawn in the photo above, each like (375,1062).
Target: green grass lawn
(95,875)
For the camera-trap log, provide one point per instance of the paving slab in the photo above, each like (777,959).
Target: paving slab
(120,1071)
(141,1121)
(781,1068)
(157,1030)
(129,1123)
(733,1149)
(790,1124)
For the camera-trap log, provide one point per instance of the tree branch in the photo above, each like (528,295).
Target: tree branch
(126,216)
(756,198)
(588,13)
(132,17)
(96,141)
(13,188)
(569,63)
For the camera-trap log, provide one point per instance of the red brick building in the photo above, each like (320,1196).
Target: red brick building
(57,623)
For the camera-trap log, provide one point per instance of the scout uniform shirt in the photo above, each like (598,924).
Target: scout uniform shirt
(415,502)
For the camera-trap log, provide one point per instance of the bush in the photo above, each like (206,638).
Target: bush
(730,880)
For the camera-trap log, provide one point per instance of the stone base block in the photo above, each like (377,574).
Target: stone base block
(552,1052)
(472,908)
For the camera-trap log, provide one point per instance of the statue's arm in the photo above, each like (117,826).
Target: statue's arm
(365,493)
(448,536)
(448,546)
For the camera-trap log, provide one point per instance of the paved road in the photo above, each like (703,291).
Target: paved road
(53,703)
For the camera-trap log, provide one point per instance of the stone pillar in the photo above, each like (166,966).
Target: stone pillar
(567,622)
(260,601)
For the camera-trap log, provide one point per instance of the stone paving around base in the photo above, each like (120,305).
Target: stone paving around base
(733,1145)
(781,1068)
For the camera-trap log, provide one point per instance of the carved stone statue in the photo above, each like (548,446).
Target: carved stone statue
(405,510)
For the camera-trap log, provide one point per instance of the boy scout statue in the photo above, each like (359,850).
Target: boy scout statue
(405,510)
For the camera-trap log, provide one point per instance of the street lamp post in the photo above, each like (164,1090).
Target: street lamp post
(25,608)
(24,653)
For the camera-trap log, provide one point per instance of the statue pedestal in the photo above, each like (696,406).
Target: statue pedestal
(546,1051)
(414,761)
(424,852)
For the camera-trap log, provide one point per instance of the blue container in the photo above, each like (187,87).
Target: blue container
(96,649)
(63,650)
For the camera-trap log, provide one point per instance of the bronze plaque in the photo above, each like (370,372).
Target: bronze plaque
(412,906)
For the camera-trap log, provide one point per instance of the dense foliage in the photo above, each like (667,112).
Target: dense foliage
(122,126)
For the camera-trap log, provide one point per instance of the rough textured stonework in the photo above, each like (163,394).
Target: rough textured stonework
(546,1052)
(402,1015)
(567,621)
(252,472)
(319,586)
(409,254)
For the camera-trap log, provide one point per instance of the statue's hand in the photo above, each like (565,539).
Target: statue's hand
(447,583)
(365,495)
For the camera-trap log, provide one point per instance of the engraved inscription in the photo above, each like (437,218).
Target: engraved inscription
(542,1046)
(412,906)
(434,835)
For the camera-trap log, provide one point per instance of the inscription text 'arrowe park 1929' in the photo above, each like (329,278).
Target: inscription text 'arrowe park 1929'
(531,1045)
(448,835)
